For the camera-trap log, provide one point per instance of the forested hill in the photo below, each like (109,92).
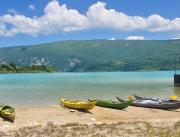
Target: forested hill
(97,55)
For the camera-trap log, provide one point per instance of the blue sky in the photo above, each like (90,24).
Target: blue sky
(40,21)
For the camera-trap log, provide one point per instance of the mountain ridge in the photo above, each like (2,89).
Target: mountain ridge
(97,55)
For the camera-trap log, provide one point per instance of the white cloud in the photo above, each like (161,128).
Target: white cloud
(112,38)
(136,38)
(31,7)
(58,18)
(101,17)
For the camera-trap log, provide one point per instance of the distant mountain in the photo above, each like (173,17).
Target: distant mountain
(97,55)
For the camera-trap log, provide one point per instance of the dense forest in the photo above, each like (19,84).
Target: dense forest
(97,55)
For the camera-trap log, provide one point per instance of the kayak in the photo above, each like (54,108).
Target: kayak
(7,113)
(112,104)
(153,104)
(78,104)
(155,99)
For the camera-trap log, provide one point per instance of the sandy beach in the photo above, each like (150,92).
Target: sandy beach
(57,115)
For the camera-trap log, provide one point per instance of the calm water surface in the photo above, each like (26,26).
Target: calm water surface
(47,88)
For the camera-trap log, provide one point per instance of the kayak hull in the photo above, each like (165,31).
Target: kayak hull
(111,104)
(8,117)
(162,105)
(155,99)
(7,113)
(165,106)
(78,104)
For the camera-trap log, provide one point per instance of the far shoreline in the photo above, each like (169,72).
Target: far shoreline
(36,72)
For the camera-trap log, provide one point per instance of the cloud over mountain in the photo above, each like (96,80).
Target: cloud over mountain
(59,18)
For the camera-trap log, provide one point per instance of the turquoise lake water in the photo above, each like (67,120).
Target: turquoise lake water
(47,88)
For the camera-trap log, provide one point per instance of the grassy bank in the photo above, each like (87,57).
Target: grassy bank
(125,129)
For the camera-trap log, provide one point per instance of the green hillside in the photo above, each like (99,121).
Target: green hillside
(97,55)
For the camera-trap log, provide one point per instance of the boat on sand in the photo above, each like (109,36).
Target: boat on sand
(81,105)
(170,99)
(111,104)
(7,113)
(153,104)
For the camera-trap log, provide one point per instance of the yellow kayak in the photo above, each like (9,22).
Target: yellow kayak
(7,113)
(78,104)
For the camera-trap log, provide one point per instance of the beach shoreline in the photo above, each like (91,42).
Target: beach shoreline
(32,116)
(56,120)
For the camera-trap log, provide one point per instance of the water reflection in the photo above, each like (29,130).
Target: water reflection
(177,91)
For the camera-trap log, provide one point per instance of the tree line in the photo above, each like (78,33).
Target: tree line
(13,68)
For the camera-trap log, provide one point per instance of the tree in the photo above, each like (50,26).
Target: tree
(13,66)
(6,67)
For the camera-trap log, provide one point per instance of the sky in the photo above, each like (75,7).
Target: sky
(29,22)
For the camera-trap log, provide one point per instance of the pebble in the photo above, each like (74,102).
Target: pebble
(93,119)
(72,110)
(55,106)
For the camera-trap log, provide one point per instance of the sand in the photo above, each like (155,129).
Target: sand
(31,116)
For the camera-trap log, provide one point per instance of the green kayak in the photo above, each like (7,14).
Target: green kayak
(112,104)
(7,113)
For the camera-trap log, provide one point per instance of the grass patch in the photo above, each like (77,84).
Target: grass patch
(124,129)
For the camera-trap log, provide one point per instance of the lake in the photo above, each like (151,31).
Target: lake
(47,88)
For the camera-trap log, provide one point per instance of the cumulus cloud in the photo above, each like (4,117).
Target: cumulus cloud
(136,38)
(59,18)
(56,18)
(31,7)
(101,17)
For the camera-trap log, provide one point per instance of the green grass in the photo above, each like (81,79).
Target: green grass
(125,129)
